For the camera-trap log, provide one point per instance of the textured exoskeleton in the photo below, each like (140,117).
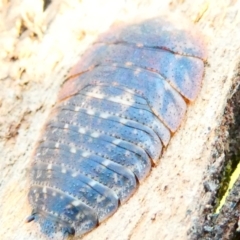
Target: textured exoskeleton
(115,114)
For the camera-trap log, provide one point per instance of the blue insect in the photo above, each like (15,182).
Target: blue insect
(115,114)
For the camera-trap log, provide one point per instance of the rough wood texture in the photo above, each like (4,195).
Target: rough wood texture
(37,50)
(225,224)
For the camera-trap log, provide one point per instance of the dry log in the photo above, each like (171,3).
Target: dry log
(41,40)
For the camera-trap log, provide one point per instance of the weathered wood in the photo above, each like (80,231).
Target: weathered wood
(224,223)
(37,50)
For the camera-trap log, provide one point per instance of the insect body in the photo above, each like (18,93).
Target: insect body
(115,114)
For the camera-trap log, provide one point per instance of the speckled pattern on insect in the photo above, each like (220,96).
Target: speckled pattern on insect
(115,114)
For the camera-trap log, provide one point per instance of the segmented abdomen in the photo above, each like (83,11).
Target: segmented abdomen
(114,116)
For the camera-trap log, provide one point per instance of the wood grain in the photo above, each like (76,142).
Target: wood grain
(37,50)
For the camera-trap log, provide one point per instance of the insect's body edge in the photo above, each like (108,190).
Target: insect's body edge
(108,129)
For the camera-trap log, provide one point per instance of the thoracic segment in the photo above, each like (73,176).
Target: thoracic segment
(182,72)
(166,103)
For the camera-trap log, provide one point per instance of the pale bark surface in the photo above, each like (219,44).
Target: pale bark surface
(37,50)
